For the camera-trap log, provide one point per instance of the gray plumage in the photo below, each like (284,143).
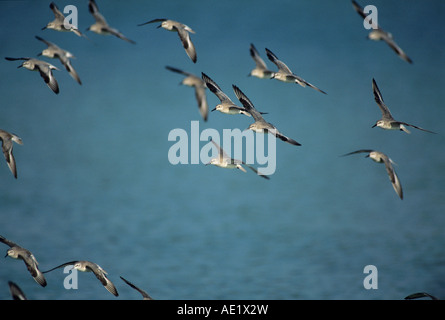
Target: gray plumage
(183,32)
(226,106)
(223,160)
(44,68)
(87,266)
(260,125)
(55,52)
(286,75)
(7,146)
(260,71)
(200,90)
(377,34)
(387,121)
(59,23)
(380,157)
(17,252)
(101,26)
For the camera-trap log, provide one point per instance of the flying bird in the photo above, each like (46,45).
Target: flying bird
(101,26)
(60,23)
(200,90)
(87,266)
(223,160)
(378,34)
(380,157)
(55,52)
(43,67)
(7,146)
(387,121)
(183,32)
(260,125)
(260,71)
(286,75)
(227,105)
(17,252)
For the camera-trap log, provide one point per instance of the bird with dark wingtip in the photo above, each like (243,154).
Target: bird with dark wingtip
(183,32)
(387,121)
(17,252)
(260,125)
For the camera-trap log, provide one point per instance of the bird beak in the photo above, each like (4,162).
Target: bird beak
(39,54)
(20,66)
(159,26)
(374,126)
(213,110)
(44,27)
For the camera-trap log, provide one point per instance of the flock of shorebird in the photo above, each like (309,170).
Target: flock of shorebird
(200,84)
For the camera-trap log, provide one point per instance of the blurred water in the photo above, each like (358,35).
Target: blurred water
(95,182)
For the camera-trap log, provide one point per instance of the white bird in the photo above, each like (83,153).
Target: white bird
(17,252)
(378,34)
(226,106)
(87,266)
(43,67)
(285,74)
(200,89)
(223,160)
(260,125)
(260,71)
(380,157)
(101,26)
(387,121)
(7,146)
(53,51)
(60,23)
(183,32)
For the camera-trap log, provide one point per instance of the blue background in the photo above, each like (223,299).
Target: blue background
(94,181)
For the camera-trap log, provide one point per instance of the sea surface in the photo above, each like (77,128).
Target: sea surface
(95,181)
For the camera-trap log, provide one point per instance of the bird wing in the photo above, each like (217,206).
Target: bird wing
(248,105)
(393,176)
(221,153)
(152,21)
(48,77)
(256,57)
(201,98)
(145,295)
(379,99)
(396,48)
(94,10)
(215,88)
(360,11)
(32,265)
(187,43)
(61,266)
(178,71)
(8,242)
(280,64)
(59,15)
(358,151)
(100,274)
(16,292)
